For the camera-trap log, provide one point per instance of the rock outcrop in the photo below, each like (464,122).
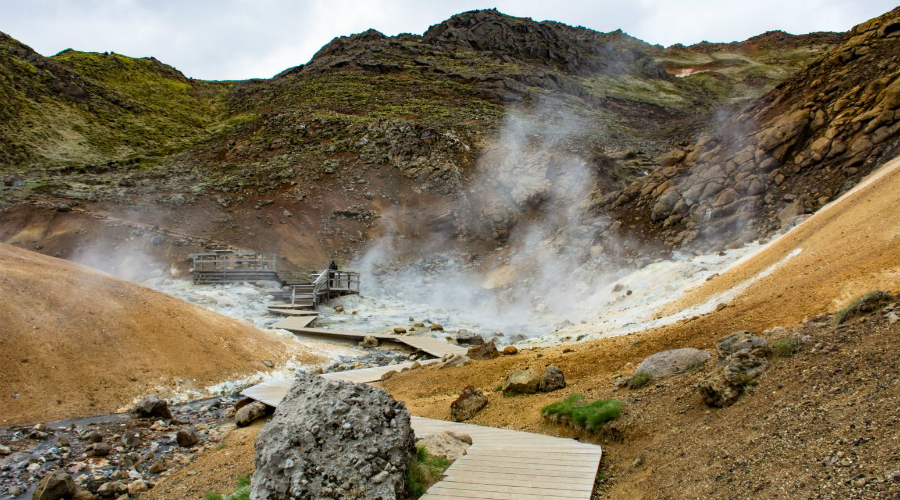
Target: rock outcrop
(331,439)
(743,359)
(57,485)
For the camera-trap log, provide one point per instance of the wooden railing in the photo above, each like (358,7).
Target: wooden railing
(249,261)
(326,283)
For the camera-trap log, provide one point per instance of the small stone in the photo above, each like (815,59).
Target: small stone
(399,330)
(250,413)
(158,466)
(467,405)
(488,350)
(522,382)
(552,379)
(151,406)
(5,450)
(100,449)
(55,486)
(510,350)
(368,341)
(186,437)
(268,363)
(447,445)
(136,488)
(436,327)
(338,309)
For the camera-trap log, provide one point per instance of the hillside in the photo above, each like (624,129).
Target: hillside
(372,125)
(79,342)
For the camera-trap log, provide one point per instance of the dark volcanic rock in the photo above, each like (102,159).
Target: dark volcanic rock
(331,439)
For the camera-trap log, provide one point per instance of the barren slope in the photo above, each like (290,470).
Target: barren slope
(76,341)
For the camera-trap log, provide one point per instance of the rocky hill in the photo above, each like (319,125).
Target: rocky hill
(785,154)
(309,162)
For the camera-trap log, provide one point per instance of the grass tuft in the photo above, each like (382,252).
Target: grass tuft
(639,380)
(787,346)
(861,305)
(589,415)
(423,471)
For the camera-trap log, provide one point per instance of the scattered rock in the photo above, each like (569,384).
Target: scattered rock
(112,488)
(399,330)
(268,363)
(62,207)
(552,380)
(131,439)
(136,488)
(510,350)
(55,486)
(671,362)
(465,337)
(338,309)
(743,360)
(447,445)
(251,413)
(522,382)
(151,406)
(99,449)
(158,240)
(488,350)
(333,424)
(369,341)
(93,437)
(158,467)
(186,437)
(453,360)
(437,327)
(5,450)
(467,405)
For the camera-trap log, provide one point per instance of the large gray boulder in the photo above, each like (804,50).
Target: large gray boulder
(332,439)
(665,363)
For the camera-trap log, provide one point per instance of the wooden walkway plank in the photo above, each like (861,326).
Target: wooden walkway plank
(292,312)
(294,323)
(432,346)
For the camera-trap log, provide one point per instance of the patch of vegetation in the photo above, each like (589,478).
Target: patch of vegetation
(639,380)
(241,493)
(862,305)
(588,415)
(787,346)
(423,471)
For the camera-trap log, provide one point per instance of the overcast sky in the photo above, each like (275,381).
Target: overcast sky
(237,39)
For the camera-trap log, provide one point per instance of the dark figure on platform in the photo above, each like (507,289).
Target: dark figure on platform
(331,269)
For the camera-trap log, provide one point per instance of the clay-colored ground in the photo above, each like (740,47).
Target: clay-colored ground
(805,410)
(77,342)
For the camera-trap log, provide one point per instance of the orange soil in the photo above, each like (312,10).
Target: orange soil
(76,341)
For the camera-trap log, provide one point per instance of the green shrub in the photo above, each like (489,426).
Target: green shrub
(588,415)
(639,380)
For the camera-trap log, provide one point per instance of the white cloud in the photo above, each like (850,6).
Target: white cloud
(235,39)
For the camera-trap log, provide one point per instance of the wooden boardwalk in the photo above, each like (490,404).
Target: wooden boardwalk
(430,345)
(292,312)
(501,463)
